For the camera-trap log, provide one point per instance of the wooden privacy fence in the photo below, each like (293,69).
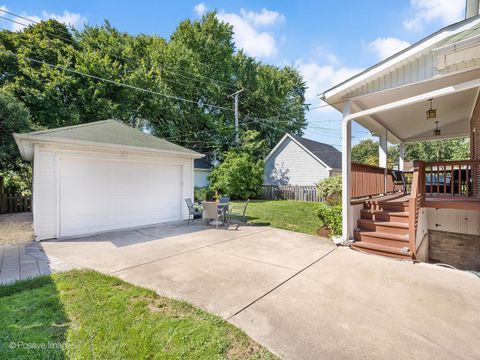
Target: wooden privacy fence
(290,192)
(13,203)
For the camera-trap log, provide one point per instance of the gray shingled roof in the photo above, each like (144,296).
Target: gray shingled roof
(326,153)
(111,132)
(202,164)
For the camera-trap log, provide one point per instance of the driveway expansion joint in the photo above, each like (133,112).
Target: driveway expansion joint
(281,284)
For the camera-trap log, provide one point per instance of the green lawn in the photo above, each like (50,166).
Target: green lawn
(284,214)
(87,315)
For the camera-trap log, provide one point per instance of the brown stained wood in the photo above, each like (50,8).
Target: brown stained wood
(14,203)
(369,180)
(289,192)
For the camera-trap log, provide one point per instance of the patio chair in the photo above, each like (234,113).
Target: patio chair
(193,211)
(242,213)
(224,200)
(399,179)
(213,213)
(223,207)
(459,182)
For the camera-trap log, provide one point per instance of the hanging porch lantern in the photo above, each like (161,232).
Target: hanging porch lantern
(437,131)
(431,113)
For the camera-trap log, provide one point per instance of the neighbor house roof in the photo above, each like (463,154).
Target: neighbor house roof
(202,164)
(324,153)
(109,133)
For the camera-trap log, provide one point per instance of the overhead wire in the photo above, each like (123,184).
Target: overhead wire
(130,60)
(198,102)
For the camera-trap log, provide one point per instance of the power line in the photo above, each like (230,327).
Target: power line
(257,120)
(127,60)
(130,60)
(56,66)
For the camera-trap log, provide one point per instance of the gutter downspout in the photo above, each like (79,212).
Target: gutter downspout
(347,232)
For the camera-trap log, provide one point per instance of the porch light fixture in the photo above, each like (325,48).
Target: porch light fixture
(437,131)
(431,113)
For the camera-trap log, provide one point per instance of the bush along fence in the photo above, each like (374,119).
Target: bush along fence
(13,203)
(290,192)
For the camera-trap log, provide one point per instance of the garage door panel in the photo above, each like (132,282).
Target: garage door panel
(98,195)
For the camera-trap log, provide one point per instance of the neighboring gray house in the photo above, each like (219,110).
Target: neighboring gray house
(299,161)
(201,169)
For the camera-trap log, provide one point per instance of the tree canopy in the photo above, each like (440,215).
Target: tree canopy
(198,63)
(366,151)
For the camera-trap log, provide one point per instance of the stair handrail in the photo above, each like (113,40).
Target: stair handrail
(417,195)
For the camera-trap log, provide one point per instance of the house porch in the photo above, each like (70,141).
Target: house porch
(442,196)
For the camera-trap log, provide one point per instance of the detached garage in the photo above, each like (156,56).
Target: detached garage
(103,176)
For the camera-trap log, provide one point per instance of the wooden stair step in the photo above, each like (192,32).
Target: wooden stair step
(385,250)
(392,224)
(385,212)
(386,205)
(381,238)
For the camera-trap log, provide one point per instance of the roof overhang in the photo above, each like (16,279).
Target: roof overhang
(25,143)
(402,110)
(336,93)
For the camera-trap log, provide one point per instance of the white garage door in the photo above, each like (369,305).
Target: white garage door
(98,195)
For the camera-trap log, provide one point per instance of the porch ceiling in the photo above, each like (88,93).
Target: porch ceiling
(408,123)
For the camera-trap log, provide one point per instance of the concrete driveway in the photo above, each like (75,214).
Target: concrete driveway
(296,294)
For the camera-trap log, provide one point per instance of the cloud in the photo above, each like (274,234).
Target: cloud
(320,77)
(200,9)
(263,18)
(256,43)
(385,47)
(67,18)
(426,11)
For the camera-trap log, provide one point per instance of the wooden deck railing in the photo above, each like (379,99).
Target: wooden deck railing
(417,195)
(452,178)
(369,180)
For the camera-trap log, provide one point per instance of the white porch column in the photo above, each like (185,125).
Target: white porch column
(401,156)
(346,172)
(382,150)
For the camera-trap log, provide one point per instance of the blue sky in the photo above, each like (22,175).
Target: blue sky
(328,41)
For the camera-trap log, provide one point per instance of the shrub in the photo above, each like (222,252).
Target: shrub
(330,189)
(239,175)
(331,217)
(200,193)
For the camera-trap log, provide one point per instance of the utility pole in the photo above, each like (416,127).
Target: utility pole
(235,96)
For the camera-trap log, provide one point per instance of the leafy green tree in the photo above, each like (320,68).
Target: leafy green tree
(14,118)
(365,152)
(199,63)
(438,150)
(240,175)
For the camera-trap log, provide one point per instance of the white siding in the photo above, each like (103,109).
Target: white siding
(45,177)
(454,220)
(44,202)
(292,165)
(201,177)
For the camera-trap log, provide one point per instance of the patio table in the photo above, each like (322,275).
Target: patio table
(223,209)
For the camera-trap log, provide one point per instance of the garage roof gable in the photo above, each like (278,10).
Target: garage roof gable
(107,133)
